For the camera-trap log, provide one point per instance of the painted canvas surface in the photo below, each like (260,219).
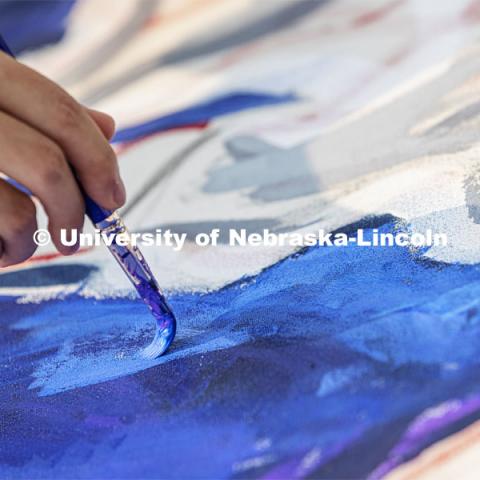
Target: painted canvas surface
(322,362)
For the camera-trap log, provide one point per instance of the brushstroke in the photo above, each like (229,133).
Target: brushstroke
(108,49)
(286,16)
(428,423)
(265,169)
(373,16)
(203,112)
(263,344)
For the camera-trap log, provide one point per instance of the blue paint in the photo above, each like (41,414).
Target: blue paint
(139,273)
(47,276)
(28,24)
(202,112)
(339,378)
(302,354)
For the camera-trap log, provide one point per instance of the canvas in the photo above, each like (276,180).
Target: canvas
(316,362)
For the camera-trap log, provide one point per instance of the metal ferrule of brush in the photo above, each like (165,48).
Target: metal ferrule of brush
(125,252)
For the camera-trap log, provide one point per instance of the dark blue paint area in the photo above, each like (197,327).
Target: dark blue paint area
(28,24)
(202,112)
(334,350)
(46,276)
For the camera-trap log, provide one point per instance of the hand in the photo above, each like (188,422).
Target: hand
(44,133)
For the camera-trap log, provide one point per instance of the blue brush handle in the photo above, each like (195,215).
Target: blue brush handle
(94,211)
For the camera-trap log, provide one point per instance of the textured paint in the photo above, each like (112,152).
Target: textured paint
(312,334)
(323,363)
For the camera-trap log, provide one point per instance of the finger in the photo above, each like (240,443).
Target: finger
(30,97)
(39,164)
(104,121)
(18,223)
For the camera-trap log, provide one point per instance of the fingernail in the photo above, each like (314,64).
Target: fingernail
(119,194)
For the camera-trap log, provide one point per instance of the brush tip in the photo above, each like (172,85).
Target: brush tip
(162,340)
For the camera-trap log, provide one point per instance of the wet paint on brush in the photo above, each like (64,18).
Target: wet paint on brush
(134,265)
(166,323)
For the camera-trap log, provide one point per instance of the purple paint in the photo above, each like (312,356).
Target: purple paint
(166,323)
(429,422)
(305,463)
(134,265)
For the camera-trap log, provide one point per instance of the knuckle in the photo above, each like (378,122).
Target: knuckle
(68,112)
(52,176)
(53,164)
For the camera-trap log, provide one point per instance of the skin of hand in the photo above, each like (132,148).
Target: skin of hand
(44,133)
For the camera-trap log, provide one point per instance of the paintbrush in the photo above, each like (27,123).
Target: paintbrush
(133,264)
